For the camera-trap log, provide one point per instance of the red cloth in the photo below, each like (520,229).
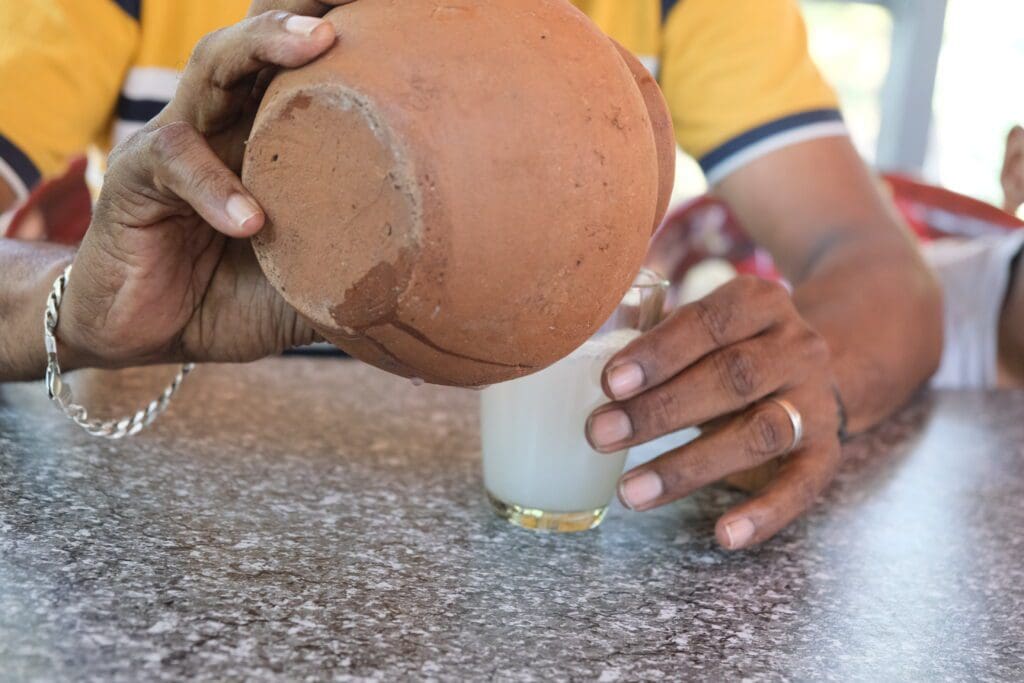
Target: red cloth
(705,228)
(935,212)
(65,204)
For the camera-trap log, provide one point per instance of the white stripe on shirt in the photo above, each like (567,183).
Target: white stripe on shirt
(812,131)
(151,83)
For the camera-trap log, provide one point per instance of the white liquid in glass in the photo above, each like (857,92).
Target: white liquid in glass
(535,454)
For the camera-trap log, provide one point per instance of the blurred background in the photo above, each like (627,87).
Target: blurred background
(928,87)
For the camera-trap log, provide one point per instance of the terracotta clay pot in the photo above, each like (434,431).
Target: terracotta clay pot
(661,125)
(457,192)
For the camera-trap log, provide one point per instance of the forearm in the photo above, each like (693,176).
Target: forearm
(27,272)
(880,310)
(859,277)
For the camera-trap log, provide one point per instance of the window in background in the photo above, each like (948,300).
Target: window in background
(850,42)
(978,95)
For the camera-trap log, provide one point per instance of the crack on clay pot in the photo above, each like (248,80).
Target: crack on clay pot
(424,339)
(395,364)
(390,358)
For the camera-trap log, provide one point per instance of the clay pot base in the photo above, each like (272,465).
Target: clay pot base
(299,136)
(325,136)
(356,306)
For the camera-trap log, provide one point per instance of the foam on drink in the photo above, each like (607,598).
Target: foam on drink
(535,453)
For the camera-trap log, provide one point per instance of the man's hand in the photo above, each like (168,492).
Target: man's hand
(863,323)
(717,364)
(166,271)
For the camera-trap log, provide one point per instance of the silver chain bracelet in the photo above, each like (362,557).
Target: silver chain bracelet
(60,393)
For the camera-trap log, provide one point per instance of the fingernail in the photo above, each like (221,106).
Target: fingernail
(302,26)
(625,379)
(241,210)
(609,428)
(640,490)
(739,533)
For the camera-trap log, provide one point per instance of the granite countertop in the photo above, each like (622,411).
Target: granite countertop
(310,519)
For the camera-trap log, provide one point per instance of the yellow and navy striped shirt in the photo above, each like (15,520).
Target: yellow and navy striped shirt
(82,73)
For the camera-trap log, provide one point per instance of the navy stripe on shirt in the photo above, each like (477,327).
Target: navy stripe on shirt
(19,163)
(787,123)
(132,8)
(141,111)
(666,8)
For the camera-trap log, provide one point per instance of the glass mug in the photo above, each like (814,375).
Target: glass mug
(539,471)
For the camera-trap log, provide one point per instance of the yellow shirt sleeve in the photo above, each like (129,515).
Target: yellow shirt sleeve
(62,63)
(740,81)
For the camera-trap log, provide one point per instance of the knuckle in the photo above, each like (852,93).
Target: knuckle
(817,348)
(748,284)
(738,372)
(123,149)
(274,17)
(767,434)
(714,318)
(204,49)
(268,22)
(204,176)
(776,290)
(170,142)
(659,411)
(775,297)
(700,467)
(807,492)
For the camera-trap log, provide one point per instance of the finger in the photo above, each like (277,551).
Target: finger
(748,440)
(742,308)
(225,64)
(802,478)
(311,8)
(181,162)
(719,384)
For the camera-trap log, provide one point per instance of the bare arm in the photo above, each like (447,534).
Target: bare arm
(27,270)
(7,196)
(859,279)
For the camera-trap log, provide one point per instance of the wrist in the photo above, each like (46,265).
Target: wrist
(81,333)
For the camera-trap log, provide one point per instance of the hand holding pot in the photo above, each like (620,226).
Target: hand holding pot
(165,272)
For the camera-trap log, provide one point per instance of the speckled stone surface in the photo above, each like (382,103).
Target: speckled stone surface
(315,519)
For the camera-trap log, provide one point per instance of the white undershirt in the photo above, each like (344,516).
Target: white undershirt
(975,275)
